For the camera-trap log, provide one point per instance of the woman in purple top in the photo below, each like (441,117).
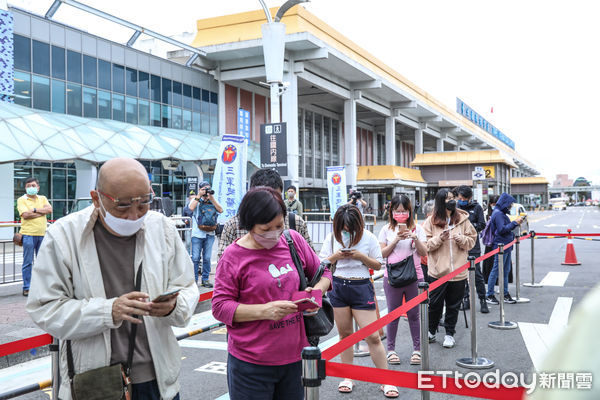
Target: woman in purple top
(400,239)
(254,282)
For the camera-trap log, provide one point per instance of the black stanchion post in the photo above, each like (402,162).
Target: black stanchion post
(313,372)
(424,314)
(532,284)
(518,298)
(54,347)
(502,324)
(473,362)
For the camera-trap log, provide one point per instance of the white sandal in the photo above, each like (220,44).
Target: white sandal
(347,384)
(415,359)
(391,355)
(389,391)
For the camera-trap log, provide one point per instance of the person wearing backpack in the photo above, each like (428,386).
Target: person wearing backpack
(206,209)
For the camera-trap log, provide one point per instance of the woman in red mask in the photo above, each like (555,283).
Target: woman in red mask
(399,239)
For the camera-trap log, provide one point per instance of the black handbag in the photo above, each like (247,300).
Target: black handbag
(112,382)
(321,323)
(402,273)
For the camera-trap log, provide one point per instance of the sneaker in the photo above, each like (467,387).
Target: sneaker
(207,284)
(508,299)
(492,300)
(431,337)
(466,304)
(449,342)
(484,307)
(25,292)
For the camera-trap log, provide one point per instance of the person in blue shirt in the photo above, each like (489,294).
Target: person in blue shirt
(503,234)
(205,209)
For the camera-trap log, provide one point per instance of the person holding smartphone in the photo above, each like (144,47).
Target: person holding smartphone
(399,239)
(354,250)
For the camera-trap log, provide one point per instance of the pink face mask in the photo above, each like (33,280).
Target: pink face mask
(401,217)
(268,240)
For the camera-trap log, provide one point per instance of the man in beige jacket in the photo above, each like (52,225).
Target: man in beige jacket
(450,236)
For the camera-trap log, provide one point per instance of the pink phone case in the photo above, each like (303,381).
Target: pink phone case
(306,301)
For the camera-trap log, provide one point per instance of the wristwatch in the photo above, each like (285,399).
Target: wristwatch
(34,210)
(197,198)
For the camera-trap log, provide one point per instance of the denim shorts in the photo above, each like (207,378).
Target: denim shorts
(356,294)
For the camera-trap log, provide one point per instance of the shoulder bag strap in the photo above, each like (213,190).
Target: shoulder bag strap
(132,334)
(296,259)
(292,221)
(70,367)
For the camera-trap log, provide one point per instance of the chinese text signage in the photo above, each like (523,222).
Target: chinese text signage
(229,181)
(244,123)
(478,120)
(273,147)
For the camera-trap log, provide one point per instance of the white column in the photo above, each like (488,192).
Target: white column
(7,198)
(222,109)
(418,141)
(350,141)
(289,103)
(390,141)
(87,175)
(440,145)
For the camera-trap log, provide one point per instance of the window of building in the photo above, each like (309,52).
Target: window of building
(205,113)
(167,91)
(131,107)
(118,76)
(308,143)
(300,143)
(166,116)
(41,93)
(144,85)
(187,97)
(58,62)
(22,52)
(74,99)
(327,140)
(104,73)
(90,102)
(155,88)
(187,120)
(131,81)
(41,58)
(104,105)
(176,118)
(118,107)
(214,113)
(155,116)
(22,88)
(144,112)
(58,97)
(177,101)
(196,121)
(335,142)
(90,71)
(196,101)
(74,67)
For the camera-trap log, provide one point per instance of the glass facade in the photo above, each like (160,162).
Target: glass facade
(94,88)
(318,142)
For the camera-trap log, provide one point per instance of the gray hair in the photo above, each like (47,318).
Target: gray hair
(428,207)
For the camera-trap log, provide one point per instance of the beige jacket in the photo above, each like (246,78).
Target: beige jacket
(67,297)
(446,256)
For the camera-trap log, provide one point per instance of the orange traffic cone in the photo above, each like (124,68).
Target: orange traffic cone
(404,301)
(570,257)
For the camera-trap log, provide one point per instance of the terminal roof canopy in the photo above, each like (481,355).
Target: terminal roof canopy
(462,157)
(29,134)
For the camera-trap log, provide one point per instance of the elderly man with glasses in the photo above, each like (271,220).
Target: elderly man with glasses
(111,281)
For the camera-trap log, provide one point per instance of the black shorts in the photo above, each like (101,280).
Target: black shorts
(356,294)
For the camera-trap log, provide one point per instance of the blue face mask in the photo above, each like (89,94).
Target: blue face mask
(32,191)
(345,235)
(462,203)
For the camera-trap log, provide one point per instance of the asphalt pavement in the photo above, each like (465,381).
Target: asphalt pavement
(519,350)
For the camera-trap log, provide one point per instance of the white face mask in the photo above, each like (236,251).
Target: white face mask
(122,227)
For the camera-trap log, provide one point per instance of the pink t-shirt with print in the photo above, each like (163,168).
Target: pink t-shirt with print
(404,248)
(246,276)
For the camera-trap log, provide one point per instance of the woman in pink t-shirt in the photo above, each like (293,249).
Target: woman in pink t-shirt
(254,282)
(400,239)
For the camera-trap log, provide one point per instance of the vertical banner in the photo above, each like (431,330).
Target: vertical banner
(244,123)
(336,185)
(229,180)
(7,83)
(273,147)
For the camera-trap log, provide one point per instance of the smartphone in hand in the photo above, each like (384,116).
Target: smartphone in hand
(307,300)
(165,296)
(402,228)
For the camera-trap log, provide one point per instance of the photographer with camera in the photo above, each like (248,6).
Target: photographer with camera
(357,200)
(205,210)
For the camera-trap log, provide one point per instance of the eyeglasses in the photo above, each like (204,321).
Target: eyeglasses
(124,205)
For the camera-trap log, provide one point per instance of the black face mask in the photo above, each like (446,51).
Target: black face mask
(451,205)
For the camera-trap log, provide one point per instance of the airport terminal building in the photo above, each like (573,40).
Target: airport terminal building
(73,100)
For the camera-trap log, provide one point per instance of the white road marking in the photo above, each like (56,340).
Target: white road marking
(215,367)
(580,219)
(33,371)
(554,278)
(556,225)
(539,338)
(203,344)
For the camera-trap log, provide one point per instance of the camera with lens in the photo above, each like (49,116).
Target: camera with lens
(208,191)
(356,195)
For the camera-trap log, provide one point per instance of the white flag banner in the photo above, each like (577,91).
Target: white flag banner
(229,180)
(336,184)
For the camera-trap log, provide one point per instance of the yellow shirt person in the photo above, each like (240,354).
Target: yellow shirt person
(33,209)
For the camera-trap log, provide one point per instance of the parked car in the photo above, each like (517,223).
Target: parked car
(560,206)
(81,203)
(516,211)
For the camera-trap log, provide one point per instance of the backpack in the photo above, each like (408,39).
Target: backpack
(207,217)
(487,234)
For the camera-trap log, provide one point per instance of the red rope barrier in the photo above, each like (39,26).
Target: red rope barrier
(205,296)
(567,234)
(411,381)
(24,344)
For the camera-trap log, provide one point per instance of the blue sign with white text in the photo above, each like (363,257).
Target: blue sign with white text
(478,120)
(244,123)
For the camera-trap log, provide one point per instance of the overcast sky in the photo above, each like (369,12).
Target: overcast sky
(535,62)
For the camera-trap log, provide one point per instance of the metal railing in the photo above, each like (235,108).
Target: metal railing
(10,260)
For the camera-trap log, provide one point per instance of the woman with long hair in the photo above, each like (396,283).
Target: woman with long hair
(354,250)
(400,239)
(450,236)
(254,284)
